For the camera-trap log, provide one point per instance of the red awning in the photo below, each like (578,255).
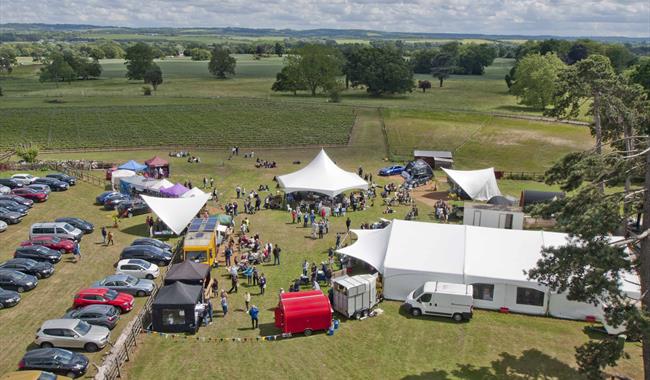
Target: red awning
(156,162)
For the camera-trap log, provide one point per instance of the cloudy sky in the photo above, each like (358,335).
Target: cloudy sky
(556,17)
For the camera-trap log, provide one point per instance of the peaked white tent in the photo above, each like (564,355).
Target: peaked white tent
(117,175)
(176,213)
(322,176)
(477,184)
(408,254)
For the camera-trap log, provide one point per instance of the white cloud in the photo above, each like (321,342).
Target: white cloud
(528,17)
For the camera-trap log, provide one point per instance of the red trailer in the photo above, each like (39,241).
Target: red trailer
(303,312)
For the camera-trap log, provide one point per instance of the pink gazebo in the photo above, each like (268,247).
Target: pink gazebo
(175,191)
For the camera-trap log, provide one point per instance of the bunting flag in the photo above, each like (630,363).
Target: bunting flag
(179,337)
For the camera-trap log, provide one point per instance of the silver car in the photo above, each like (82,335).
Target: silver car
(3,226)
(125,283)
(138,268)
(72,333)
(40,187)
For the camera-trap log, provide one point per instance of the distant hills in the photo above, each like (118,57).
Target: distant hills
(80,29)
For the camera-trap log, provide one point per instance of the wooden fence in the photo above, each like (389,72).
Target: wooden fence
(123,348)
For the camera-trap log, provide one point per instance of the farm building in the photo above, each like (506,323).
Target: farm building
(407,254)
(437,159)
(479,185)
(495,216)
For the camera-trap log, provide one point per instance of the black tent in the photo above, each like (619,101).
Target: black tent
(173,308)
(189,272)
(500,200)
(417,169)
(531,197)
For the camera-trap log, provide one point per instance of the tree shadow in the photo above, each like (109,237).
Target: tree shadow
(531,364)
(136,230)
(517,109)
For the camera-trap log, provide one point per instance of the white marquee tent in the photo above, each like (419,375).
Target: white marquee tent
(176,213)
(322,176)
(117,175)
(408,254)
(477,184)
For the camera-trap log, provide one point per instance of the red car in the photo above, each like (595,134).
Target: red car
(28,193)
(103,296)
(52,242)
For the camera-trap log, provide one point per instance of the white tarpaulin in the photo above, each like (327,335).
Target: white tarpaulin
(176,213)
(161,184)
(477,184)
(117,175)
(193,192)
(322,176)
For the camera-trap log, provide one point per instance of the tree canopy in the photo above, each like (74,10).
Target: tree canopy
(67,66)
(222,64)
(535,79)
(139,58)
(153,76)
(381,70)
(443,64)
(7,59)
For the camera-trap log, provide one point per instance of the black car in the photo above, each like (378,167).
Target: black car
(10,217)
(55,360)
(99,315)
(40,269)
(114,200)
(54,184)
(18,281)
(131,208)
(14,206)
(148,253)
(8,298)
(18,199)
(81,224)
(151,241)
(10,183)
(70,180)
(38,253)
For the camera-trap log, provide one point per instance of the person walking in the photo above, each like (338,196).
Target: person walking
(348,222)
(104,233)
(262,283)
(228,254)
(224,305)
(211,182)
(247,300)
(77,252)
(110,239)
(253,312)
(276,255)
(234,281)
(238,190)
(209,313)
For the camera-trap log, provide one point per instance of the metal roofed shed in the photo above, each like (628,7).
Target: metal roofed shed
(435,158)
(355,296)
(493,215)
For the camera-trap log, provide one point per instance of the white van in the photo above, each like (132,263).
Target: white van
(442,299)
(59,229)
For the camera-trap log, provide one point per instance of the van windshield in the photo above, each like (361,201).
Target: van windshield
(198,256)
(418,292)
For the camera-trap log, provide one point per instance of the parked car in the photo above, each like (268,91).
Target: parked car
(3,226)
(103,296)
(54,184)
(114,200)
(151,241)
(55,360)
(148,253)
(15,207)
(26,192)
(98,315)
(40,187)
(138,268)
(18,199)
(33,375)
(72,333)
(85,226)
(125,283)
(132,208)
(51,242)
(70,180)
(10,217)
(10,183)
(442,299)
(18,281)
(4,190)
(391,170)
(24,178)
(38,253)
(8,298)
(55,229)
(101,198)
(39,269)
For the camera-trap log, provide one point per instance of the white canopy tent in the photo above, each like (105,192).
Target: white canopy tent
(176,213)
(117,175)
(493,260)
(322,176)
(477,184)
(193,192)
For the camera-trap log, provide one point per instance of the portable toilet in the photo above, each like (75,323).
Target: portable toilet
(303,312)
(355,296)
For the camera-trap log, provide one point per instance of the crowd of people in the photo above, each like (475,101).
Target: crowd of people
(442,210)
(265,164)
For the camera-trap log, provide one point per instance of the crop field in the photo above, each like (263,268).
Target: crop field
(223,123)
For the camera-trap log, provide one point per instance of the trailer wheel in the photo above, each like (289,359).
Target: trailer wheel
(457,317)
(416,312)
(308,332)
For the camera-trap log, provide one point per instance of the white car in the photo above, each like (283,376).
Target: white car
(3,226)
(5,190)
(24,179)
(138,268)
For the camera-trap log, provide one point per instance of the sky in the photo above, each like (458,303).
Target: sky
(523,17)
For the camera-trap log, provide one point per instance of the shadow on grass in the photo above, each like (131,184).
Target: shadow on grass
(531,364)
(517,109)
(137,230)
(403,312)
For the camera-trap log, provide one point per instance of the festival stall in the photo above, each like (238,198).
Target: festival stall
(176,213)
(117,175)
(303,312)
(479,185)
(157,167)
(174,309)
(133,166)
(175,191)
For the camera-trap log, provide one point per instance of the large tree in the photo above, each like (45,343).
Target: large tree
(139,58)
(382,70)
(199,54)
(318,65)
(222,64)
(473,58)
(421,60)
(153,76)
(535,78)
(641,74)
(592,265)
(443,65)
(7,59)
(289,79)
(57,70)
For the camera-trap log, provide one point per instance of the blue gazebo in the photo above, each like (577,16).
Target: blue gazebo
(133,166)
